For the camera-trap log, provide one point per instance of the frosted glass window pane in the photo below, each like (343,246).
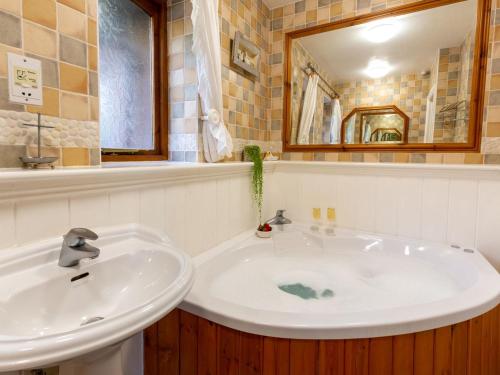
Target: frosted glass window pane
(126,77)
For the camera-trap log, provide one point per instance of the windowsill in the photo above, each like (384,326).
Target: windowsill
(126,164)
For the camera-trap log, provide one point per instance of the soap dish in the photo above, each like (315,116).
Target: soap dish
(35,162)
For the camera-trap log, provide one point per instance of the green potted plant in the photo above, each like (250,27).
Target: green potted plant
(253,154)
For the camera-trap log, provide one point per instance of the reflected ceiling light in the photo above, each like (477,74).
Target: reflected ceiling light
(382,31)
(377,68)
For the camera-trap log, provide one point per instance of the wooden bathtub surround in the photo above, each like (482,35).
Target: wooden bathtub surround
(184,344)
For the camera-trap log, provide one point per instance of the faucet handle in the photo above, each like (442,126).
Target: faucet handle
(280,212)
(76,237)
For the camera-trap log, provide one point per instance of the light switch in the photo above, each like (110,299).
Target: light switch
(25,80)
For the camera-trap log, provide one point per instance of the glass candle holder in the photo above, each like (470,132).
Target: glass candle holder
(331,216)
(316,214)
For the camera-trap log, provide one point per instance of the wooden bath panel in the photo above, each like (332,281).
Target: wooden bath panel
(184,344)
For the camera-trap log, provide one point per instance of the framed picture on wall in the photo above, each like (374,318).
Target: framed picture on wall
(245,55)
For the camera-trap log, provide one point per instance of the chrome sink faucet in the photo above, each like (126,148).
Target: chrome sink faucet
(75,247)
(279,219)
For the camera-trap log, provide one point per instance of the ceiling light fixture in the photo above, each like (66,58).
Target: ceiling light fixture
(377,68)
(381,31)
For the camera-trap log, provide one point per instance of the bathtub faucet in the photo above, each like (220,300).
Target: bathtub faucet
(279,219)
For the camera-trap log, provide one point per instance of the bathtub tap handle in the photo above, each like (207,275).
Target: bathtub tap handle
(279,219)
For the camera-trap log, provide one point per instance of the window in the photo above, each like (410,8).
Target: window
(132,80)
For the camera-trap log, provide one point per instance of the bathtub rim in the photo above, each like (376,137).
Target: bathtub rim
(470,303)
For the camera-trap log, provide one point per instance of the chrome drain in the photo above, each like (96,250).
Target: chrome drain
(92,320)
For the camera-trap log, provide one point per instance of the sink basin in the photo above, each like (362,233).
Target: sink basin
(49,314)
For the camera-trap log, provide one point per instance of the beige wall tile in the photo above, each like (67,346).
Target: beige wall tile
(454,158)
(41,11)
(92,8)
(92,32)
(3,58)
(473,159)
(73,78)
(39,40)
(11,6)
(71,22)
(75,156)
(50,103)
(94,108)
(74,107)
(75,4)
(10,30)
(434,158)
(92,53)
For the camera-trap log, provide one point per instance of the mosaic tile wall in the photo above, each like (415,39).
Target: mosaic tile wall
(63,35)
(300,59)
(183,94)
(305,13)
(247,100)
(407,91)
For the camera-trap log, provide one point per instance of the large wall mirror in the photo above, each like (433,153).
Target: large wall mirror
(408,78)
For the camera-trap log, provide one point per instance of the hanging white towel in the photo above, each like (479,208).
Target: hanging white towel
(335,122)
(217,142)
(308,109)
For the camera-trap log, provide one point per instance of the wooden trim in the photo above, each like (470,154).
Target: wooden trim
(157,9)
(189,345)
(391,109)
(478,81)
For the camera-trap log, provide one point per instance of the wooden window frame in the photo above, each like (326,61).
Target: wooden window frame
(478,82)
(157,9)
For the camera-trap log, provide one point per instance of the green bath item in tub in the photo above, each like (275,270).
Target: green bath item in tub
(304,291)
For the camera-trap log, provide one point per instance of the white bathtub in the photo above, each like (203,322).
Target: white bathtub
(352,285)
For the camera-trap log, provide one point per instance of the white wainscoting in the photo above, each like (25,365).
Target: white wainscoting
(199,206)
(450,204)
(196,211)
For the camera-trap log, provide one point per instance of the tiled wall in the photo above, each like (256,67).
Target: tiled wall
(63,35)
(300,60)
(305,13)
(407,91)
(183,95)
(246,99)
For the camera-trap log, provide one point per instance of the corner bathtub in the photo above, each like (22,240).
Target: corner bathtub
(374,285)
(305,303)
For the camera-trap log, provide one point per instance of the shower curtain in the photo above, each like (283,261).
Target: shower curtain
(430,115)
(217,142)
(367,133)
(308,109)
(335,122)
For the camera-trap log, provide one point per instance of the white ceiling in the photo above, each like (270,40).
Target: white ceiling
(413,49)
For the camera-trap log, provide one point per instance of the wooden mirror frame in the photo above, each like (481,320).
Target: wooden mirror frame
(390,110)
(473,143)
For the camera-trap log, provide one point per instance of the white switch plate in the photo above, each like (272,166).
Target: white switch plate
(25,80)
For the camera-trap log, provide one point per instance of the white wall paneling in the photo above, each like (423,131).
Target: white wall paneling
(201,206)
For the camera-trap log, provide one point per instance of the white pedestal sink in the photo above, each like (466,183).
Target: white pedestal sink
(51,314)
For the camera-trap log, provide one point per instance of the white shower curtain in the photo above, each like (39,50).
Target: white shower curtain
(217,141)
(308,109)
(335,122)
(430,115)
